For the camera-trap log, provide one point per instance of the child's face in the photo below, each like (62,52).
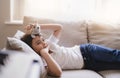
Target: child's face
(38,44)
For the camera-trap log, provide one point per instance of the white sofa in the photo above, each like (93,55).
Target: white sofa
(81,32)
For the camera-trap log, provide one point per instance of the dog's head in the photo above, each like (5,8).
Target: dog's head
(35,31)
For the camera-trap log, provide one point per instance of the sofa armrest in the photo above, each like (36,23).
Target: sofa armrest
(19,65)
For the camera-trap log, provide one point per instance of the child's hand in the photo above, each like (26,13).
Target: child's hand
(44,51)
(29,27)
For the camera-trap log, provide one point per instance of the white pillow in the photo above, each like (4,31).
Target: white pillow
(16,44)
(13,44)
(19,34)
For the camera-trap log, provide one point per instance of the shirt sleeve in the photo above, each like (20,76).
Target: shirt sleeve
(52,42)
(53,39)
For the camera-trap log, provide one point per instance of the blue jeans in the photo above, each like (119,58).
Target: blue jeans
(99,58)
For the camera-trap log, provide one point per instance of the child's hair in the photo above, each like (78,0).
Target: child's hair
(27,39)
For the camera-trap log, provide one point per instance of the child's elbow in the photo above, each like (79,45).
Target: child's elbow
(59,73)
(60,27)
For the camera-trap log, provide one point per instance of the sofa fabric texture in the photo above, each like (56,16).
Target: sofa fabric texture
(104,34)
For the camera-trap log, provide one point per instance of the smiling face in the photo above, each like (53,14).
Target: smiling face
(38,43)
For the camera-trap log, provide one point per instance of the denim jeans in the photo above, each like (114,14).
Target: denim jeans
(99,58)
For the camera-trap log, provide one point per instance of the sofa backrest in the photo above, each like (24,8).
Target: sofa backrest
(73,33)
(104,34)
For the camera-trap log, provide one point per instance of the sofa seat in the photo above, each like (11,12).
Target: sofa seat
(110,73)
(79,74)
(89,74)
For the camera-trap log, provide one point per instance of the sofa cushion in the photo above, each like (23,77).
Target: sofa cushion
(73,32)
(104,34)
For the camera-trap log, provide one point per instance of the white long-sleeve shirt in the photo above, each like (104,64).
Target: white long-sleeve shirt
(67,58)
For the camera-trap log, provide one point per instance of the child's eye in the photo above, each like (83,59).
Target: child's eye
(38,42)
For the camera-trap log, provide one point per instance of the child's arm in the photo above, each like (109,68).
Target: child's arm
(55,27)
(53,68)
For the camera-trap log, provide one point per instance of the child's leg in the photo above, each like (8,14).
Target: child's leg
(100,57)
(102,53)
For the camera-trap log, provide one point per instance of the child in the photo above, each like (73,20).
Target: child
(89,56)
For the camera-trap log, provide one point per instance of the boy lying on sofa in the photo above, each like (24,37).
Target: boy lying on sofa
(88,56)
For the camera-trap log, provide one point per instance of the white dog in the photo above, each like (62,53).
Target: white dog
(35,31)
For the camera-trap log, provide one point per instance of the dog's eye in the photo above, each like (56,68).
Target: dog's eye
(37,27)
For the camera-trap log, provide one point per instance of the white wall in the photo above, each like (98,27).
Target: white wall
(6,30)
